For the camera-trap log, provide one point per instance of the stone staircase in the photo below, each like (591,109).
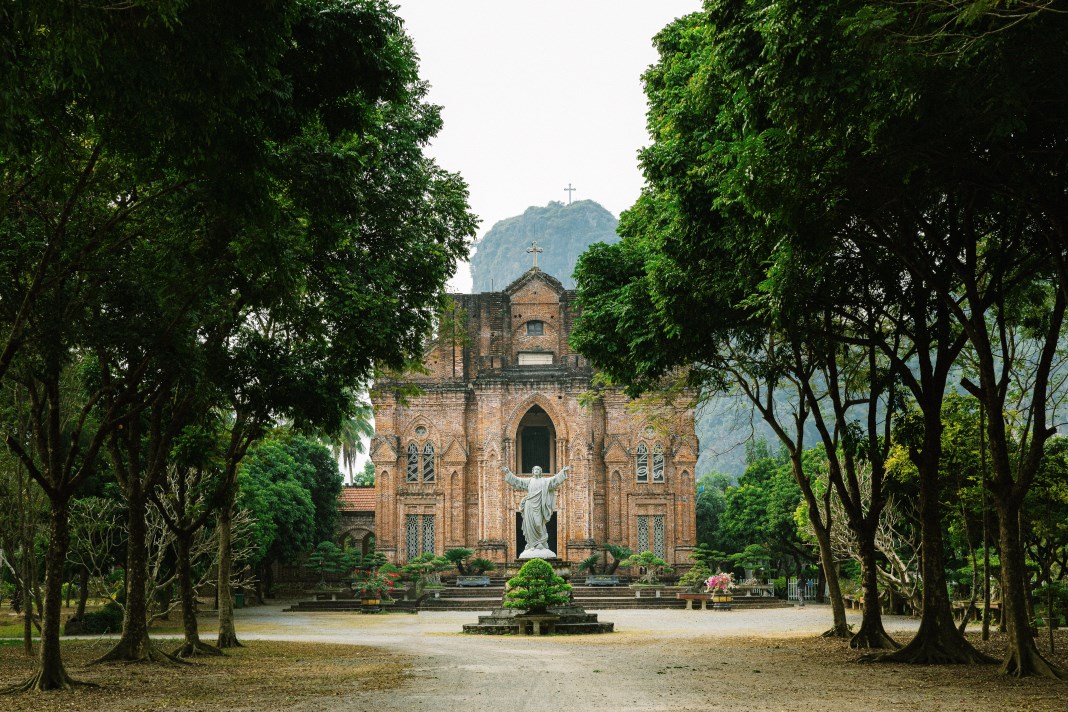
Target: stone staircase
(487,598)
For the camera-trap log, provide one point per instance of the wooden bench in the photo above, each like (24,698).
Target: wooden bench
(472,581)
(602,580)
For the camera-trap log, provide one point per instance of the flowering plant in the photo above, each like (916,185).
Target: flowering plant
(720,583)
(375,584)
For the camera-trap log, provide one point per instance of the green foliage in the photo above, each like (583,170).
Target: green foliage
(319,474)
(753,556)
(458,557)
(366,476)
(481,566)
(709,506)
(563,231)
(653,565)
(107,619)
(375,583)
(708,557)
(694,579)
(426,569)
(536,587)
(589,564)
(272,490)
(618,553)
(326,558)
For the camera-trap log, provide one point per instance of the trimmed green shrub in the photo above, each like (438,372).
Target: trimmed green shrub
(105,620)
(536,587)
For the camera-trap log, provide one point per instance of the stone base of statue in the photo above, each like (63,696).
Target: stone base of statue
(546,554)
(558,620)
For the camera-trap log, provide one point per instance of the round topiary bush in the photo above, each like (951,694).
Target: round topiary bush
(536,587)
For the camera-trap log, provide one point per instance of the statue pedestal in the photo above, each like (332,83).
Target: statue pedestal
(546,554)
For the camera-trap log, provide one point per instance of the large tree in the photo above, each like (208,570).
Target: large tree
(794,171)
(318,235)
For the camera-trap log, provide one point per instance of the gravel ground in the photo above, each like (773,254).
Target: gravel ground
(656,660)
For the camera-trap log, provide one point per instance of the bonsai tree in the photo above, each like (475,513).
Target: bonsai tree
(536,587)
(457,557)
(426,569)
(711,558)
(589,564)
(619,553)
(694,579)
(480,566)
(753,558)
(326,558)
(652,564)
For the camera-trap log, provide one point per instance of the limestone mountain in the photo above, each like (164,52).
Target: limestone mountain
(562,231)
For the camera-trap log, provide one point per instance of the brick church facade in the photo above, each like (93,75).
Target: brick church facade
(503,387)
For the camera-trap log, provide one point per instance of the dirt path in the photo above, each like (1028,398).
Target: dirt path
(657,660)
(662,660)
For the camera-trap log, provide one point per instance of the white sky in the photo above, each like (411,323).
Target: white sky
(537,94)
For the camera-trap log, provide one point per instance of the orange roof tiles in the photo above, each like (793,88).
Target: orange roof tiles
(357,499)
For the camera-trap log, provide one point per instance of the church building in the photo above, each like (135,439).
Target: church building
(504,388)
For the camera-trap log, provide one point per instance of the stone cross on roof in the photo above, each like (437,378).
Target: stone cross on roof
(535,250)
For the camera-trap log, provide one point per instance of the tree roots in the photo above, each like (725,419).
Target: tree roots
(842,630)
(42,682)
(931,650)
(873,639)
(193,650)
(1029,663)
(228,640)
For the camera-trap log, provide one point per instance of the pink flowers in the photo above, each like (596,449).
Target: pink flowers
(720,583)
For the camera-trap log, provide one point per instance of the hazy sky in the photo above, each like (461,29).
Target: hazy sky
(537,94)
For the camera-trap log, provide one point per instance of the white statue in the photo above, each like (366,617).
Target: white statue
(537,507)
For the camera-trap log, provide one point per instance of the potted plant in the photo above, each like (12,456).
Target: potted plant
(372,586)
(720,585)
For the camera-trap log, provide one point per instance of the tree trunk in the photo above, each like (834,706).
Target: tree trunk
(51,675)
(840,626)
(227,632)
(134,644)
(193,646)
(27,600)
(1022,656)
(871,633)
(937,641)
(83,593)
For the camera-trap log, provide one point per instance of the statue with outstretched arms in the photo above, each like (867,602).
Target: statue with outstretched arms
(537,508)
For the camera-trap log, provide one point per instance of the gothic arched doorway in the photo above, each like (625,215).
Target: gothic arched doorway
(535,446)
(536,442)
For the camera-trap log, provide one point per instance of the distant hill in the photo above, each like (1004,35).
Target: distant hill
(562,231)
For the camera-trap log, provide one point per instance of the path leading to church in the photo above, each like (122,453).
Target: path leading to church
(657,660)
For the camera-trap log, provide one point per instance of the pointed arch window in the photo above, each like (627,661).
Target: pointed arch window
(643,463)
(428,462)
(658,463)
(413,463)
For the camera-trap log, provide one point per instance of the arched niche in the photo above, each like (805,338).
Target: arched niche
(535,440)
